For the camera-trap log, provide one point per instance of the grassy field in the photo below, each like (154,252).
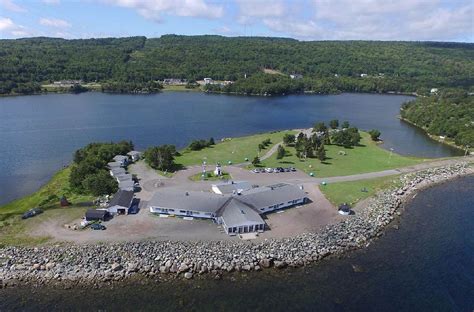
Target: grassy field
(210,176)
(351,192)
(367,157)
(179,88)
(47,197)
(234,150)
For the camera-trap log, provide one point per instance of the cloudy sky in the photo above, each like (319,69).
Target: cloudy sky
(440,20)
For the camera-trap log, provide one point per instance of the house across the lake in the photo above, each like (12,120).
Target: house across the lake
(237,212)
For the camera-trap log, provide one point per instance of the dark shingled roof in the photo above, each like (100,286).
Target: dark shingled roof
(94,214)
(122,198)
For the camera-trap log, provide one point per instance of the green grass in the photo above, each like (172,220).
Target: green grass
(58,186)
(351,192)
(368,157)
(234,150)
(210,176)
(17,231)
(179,88)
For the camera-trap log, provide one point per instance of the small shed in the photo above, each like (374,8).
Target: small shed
(120,203)
(96,215)
(63,201)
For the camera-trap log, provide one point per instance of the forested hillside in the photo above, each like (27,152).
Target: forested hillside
(389,66)
(450,114)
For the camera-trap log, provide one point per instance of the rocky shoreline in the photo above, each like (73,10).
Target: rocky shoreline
(101,264)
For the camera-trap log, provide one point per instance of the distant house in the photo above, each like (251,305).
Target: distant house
(208,81)
(296,76)
(123,160)
(175,81)
(67,83)
(134,155)
(434,91)
(363,75)
(96,215)
(121,202)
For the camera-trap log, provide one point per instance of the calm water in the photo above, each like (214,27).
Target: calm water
(426,265)
(38,134)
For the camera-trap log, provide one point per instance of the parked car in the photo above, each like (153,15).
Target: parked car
(31,213)
(133,210)
(268,170)
(98,227)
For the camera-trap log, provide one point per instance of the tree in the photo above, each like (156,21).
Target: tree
(354,136)
(321,153)
(256,161)
(161,157)
(261,146)
(374,134)
(289,139)
(334,124)
(211,141)
(281,152)
(100,183)
(320,127)
(345,125)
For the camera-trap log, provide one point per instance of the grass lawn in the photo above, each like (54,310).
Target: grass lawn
(351,192)
(16,231)
(210,176)
(367,157)
(45,196)
(179,88)
(234,150)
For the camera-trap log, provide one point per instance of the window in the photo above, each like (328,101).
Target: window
(182,211)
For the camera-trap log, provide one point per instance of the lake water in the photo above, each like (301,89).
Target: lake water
(38,134)
(426,265)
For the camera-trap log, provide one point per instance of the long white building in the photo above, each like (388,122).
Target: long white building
(237,212)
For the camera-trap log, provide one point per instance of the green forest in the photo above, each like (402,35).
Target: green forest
(449,114)
(134,64)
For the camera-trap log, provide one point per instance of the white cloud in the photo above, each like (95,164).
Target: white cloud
(53,2)
(54,22)
(11,6)
(9,29)
(153,9)
(379,20)
(252,10)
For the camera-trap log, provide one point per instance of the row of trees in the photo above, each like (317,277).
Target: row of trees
(89,173)
(449,114)
(390,66)
(197,145)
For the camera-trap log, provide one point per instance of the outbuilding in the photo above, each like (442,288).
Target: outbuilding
(134,155)
(96,215)
(120,203)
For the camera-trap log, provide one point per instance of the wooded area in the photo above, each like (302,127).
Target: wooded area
(121,64)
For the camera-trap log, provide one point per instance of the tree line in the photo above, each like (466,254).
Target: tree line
(129,64)
(449,114)
(89,172)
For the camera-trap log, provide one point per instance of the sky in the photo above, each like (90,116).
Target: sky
(418,20)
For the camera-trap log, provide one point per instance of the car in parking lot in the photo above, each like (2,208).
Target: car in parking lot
(31,213)
(98,227)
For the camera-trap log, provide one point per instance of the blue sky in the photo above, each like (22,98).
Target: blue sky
(440,20)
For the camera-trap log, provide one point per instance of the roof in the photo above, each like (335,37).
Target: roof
(230,187)
(95,213)
(127,185)
(118,171)
(131,153)
(181,200)
(123,177)
(236,213)
(120,158)
(271,195)
(122,198)
(114,164)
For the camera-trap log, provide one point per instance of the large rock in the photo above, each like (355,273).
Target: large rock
(188,275)
(117,267)
(265,263)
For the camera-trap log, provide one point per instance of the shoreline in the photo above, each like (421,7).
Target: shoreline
(102,265)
